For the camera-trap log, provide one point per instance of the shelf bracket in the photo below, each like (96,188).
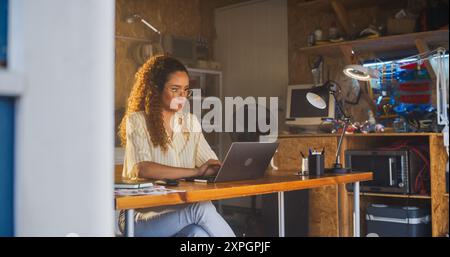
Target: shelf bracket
(422,47)
(342,16)
(348,53)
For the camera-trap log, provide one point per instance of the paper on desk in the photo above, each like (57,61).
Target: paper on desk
(154,190)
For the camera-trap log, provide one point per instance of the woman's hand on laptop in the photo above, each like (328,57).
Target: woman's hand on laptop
(209,168)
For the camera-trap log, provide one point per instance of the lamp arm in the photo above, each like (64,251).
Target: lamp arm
(148,24)
(339,105)
(338,152)
(346,123)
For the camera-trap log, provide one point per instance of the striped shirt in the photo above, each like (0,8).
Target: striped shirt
(187,149)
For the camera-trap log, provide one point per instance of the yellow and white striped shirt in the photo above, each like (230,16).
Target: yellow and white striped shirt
(188,148)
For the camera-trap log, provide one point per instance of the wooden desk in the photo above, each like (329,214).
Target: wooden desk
(274,181)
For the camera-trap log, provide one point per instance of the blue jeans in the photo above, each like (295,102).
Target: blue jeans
(193,220)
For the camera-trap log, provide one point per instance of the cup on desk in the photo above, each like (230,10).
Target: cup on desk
(316,164)
(304,168)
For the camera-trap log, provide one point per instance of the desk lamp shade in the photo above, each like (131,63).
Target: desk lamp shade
(316,97)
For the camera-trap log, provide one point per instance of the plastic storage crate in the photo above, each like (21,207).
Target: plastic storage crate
(398,221)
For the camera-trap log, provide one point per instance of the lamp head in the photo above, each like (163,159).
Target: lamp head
(316,100)
(317,96)
(360,72)
(133,18)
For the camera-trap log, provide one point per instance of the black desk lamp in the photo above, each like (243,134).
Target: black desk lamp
(316,98)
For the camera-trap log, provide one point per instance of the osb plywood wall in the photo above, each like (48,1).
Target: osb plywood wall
(193,18)
(187,18)
(170,16)
(303,21)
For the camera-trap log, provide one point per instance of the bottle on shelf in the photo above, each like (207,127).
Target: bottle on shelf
(318,34)
(333,31)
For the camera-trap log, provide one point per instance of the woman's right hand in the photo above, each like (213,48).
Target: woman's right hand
(209,168)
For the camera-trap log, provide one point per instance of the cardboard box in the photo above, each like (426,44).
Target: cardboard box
(400,26)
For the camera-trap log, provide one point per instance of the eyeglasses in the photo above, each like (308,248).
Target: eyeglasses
(178,92)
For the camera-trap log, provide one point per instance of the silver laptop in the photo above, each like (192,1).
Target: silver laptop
(244,160)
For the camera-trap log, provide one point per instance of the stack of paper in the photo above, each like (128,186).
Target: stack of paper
(154,190)
(132,184)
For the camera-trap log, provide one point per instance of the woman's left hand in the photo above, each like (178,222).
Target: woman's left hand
(211,167)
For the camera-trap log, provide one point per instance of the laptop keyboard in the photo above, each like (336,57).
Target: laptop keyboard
(202,178)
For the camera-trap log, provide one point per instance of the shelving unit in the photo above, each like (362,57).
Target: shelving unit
(436,202)
(351,52)
(372,48)
(421,40)
(326,5)
(381,44)
(326,219)
(393,195)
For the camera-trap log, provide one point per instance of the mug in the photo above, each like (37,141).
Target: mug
(304,168)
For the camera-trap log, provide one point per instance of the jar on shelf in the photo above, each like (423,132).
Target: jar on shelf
(318,34)
(333,31)
(400,125)
(311,39)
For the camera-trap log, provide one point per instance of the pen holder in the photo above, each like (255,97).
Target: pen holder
(316,164)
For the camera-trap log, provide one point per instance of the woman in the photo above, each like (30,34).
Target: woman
(163,143)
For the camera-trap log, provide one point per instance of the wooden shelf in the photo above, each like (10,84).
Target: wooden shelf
(423,134)
(325,5)
(394,195)
(381,44)
(383,117)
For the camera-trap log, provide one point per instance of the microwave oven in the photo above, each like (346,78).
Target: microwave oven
(182,48)
(394,171)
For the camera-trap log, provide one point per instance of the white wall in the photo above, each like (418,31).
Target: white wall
(63,51)
(252,47)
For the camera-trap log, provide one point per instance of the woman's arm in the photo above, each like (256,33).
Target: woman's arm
(152,170)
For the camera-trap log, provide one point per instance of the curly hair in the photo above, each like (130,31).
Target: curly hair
(146,96)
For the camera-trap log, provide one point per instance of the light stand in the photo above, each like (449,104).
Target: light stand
(337,166)
(316,98)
